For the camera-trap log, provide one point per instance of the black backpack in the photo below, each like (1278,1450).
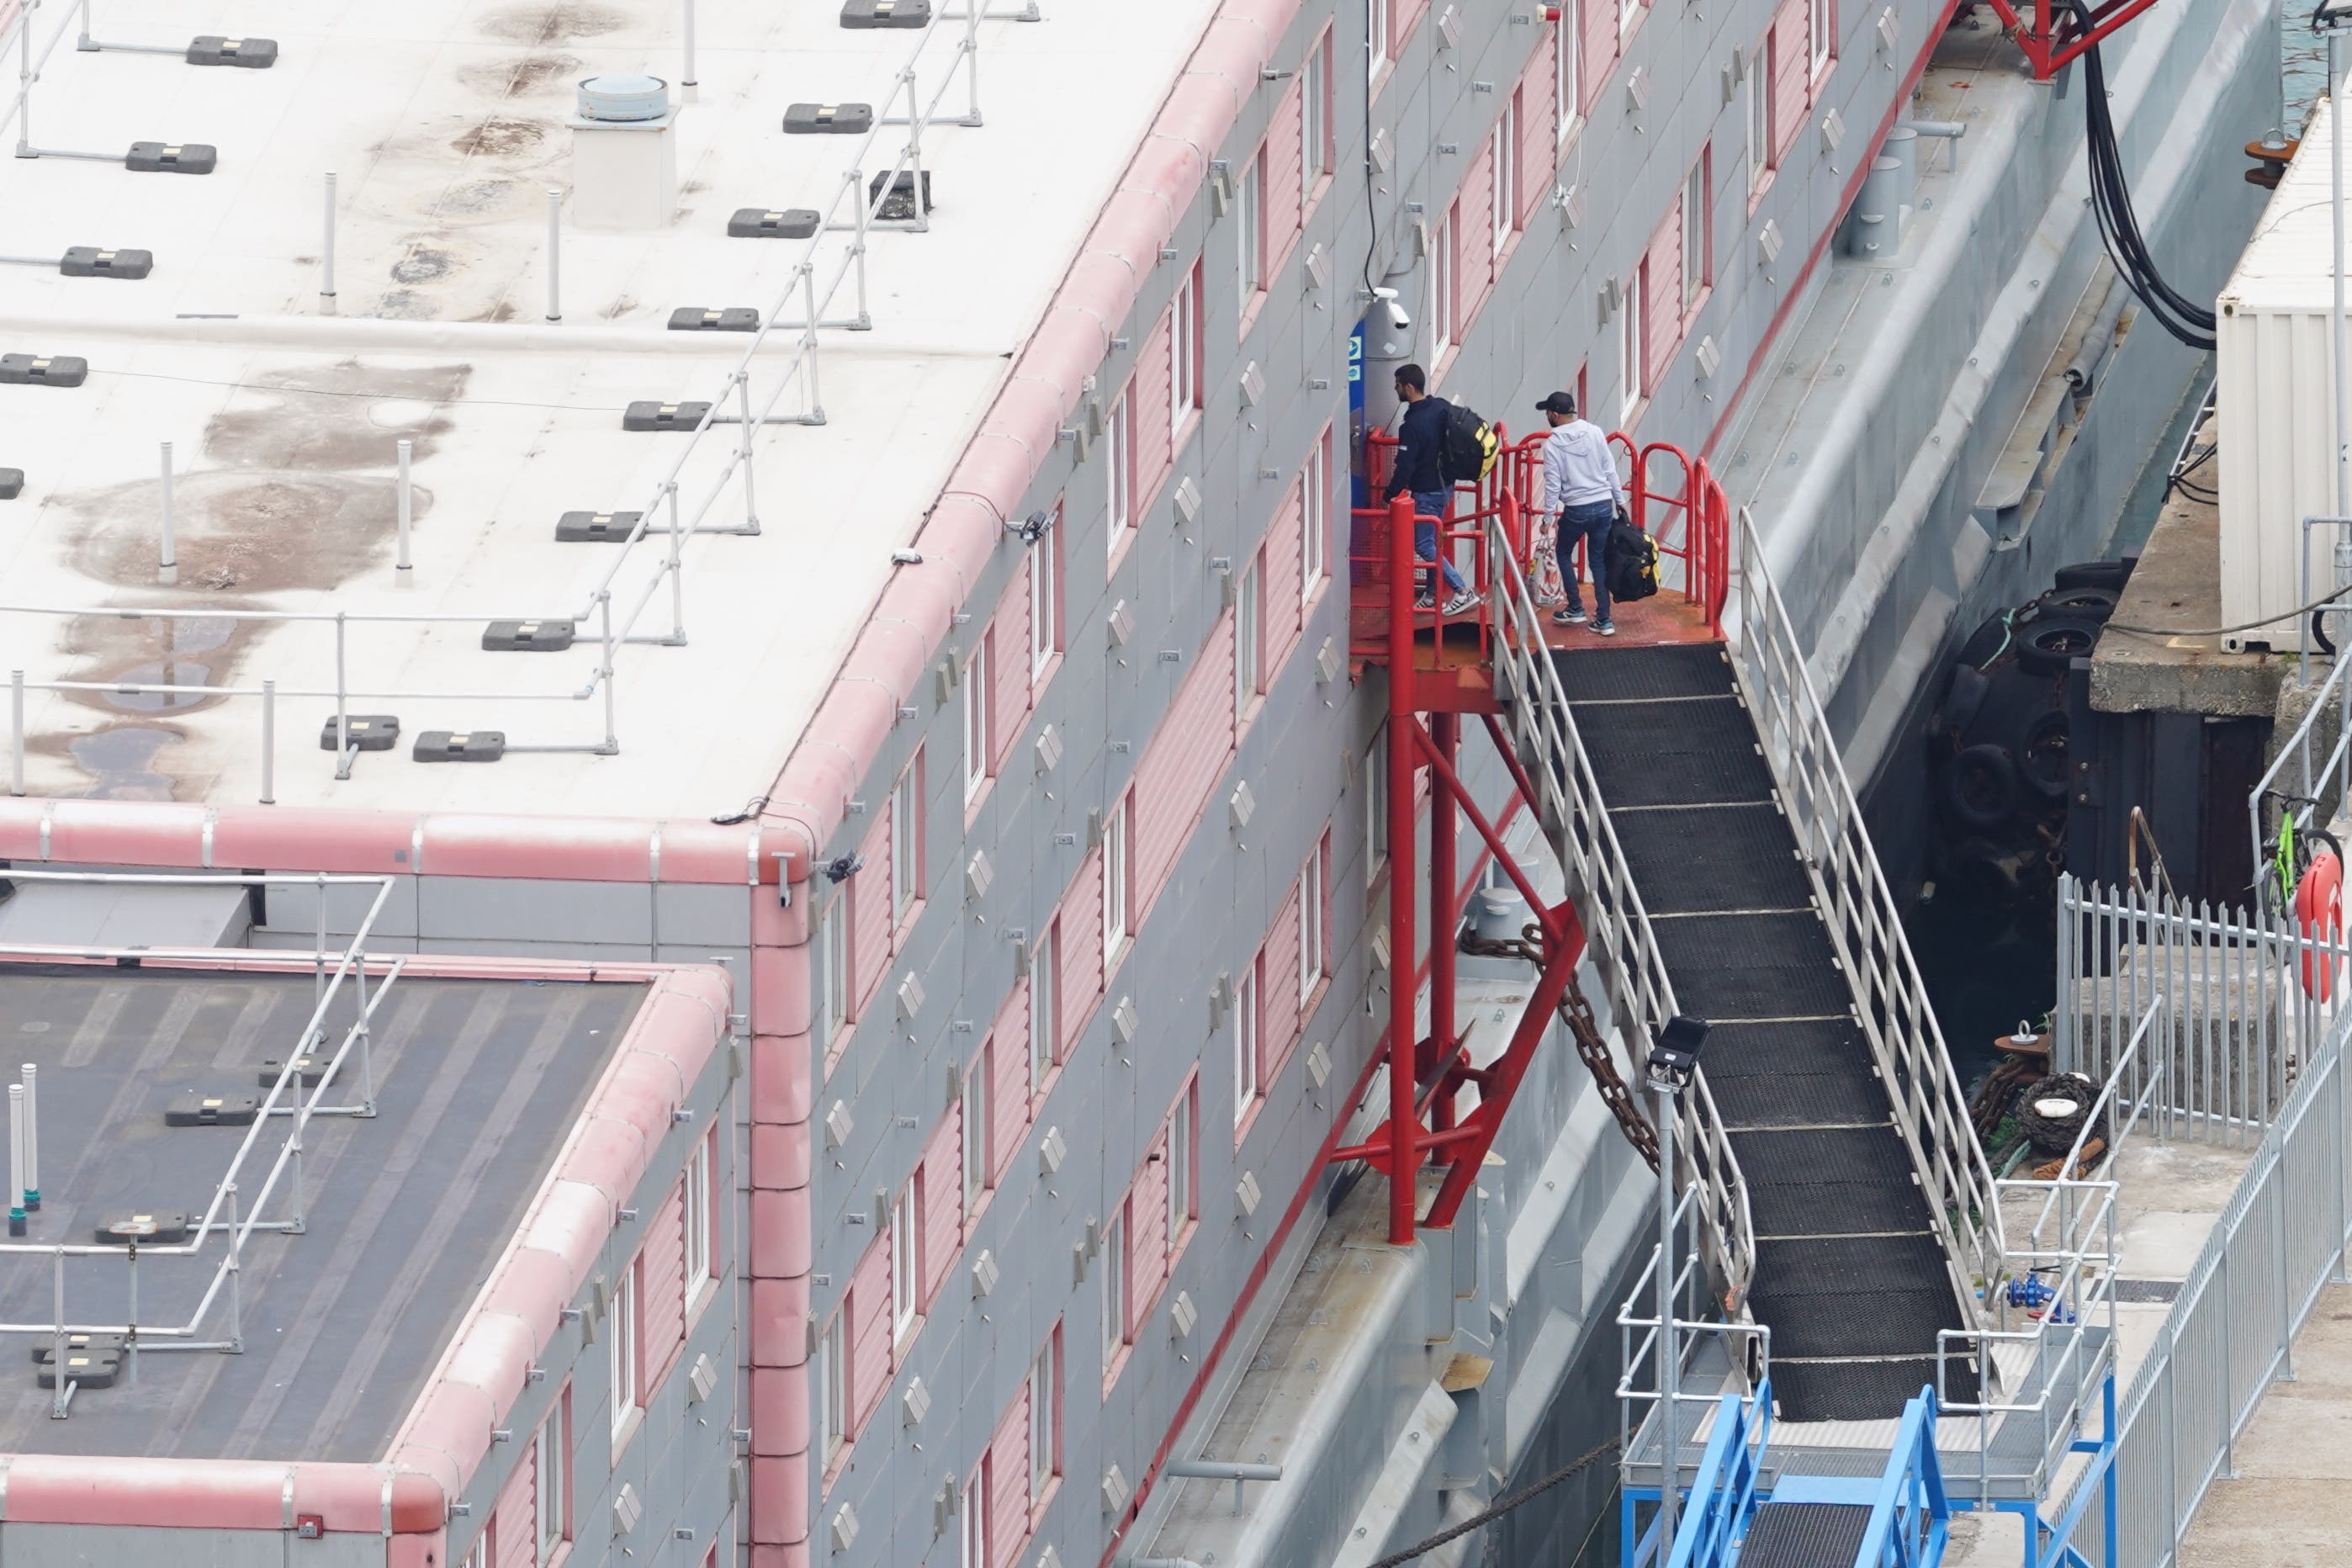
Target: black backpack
(1631,557)
(1470,446)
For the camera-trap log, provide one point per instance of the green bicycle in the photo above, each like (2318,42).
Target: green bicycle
(2288,852)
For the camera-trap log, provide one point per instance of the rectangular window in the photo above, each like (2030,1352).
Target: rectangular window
(1249,639)
(701,1224)
(479,1555)
(1045,1415)
(1113,1263)
(1822,30)
(1567,67)
(1045,978)
(622,1323)
(975,1130)
(1626,11)
(1184,352)
(1377,23)
(831,939)
(1376,806)
(1314,517)
(973,1507)
(552,1482)
(1310,921)
(1760,114)
(1315,117)
(1504,146)
(974,700)
(1249,229)
(907,828)
(1118,469)
(1631,336)
(1115,847)
(1696,202)
(1242,1035)
(1441,325)
(833,1389)
(906,1267)
(1182,1147)
(1045,597)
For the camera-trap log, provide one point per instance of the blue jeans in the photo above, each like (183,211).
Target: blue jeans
(1589,522)
(1431,508)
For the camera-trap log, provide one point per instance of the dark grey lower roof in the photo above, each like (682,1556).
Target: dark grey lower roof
(477,1084)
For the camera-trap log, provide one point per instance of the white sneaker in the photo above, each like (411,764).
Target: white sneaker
(1462,602)
(1575,617)
(1605,629)
(1424,602)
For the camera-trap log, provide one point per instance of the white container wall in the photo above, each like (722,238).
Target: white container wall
(2276,405)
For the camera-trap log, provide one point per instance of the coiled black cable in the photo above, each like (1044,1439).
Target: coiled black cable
(2178,314)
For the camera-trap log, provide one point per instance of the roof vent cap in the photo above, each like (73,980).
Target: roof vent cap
(623,98)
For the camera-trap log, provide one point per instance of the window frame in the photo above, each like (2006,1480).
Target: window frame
(974,695)
(1045,597)
(1503,141)
(1114,1289)
(1315,518)
(1044,1001)
(1627,12)
(1442,284)
(701,1219)
(1567,71)
(1117,879)
(1633,339)
(972,1532)
(1376,807)
(977,1168)
(830,969)
(624,1354)
(1183,1158)
(1118,449)
(1249,236)
(1242,1036)
(553,1526)
(1045,1415)
(1760,156)
(1698,270)
(1312,916)
(1821,38)
(833,1389)
(907,1257)
(907,833)
(1379,31)
(1184,352)
(1249,639)
(1314,154)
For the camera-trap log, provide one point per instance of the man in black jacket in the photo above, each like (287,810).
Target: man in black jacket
(1420,473)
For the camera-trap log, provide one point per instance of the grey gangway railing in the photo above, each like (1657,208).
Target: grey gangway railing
(1617,929)
(2230,1331)
(1865,923)
(2244,1003)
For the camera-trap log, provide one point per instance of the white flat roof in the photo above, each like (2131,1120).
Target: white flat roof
(446,124)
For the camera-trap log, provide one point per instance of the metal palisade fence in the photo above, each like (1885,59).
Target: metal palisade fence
(2260,1059)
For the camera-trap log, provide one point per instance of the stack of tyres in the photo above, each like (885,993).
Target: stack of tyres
(1998,747)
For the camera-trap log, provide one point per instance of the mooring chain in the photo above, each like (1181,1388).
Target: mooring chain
(1578,1013)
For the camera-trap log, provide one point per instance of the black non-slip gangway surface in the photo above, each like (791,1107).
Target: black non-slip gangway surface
(1849,1273)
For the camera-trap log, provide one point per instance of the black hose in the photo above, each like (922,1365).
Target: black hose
(2119,228)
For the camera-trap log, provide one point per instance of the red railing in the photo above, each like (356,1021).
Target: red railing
(1693,539)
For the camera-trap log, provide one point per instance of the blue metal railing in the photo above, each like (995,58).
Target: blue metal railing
(1723,1496)
(1911,1517)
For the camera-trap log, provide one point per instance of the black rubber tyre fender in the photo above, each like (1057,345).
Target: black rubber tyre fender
(2087,603)
(1983,643)
(2044,760)
(1980,787)
(2054,1135)
(2109,575)
(2052,642)
(1962,699)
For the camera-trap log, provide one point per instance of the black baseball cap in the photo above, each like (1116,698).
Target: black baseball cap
(1557,403)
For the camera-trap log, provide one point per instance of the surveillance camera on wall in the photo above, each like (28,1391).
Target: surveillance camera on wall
(1391,323)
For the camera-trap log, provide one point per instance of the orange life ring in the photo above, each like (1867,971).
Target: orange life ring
(2319,917)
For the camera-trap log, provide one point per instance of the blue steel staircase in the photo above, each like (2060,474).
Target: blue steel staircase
(1899,1519)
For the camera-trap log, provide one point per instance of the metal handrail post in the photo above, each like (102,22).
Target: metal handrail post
(16,732)
(751,498)
(234,1265)
(855,182)
(342,708)
(604,612)
(972,63)
(61,1395)
(677,637)
(269,743)
(915,116)
(808,343)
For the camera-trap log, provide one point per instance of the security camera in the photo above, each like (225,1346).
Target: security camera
(1031,529)
(1391,323)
